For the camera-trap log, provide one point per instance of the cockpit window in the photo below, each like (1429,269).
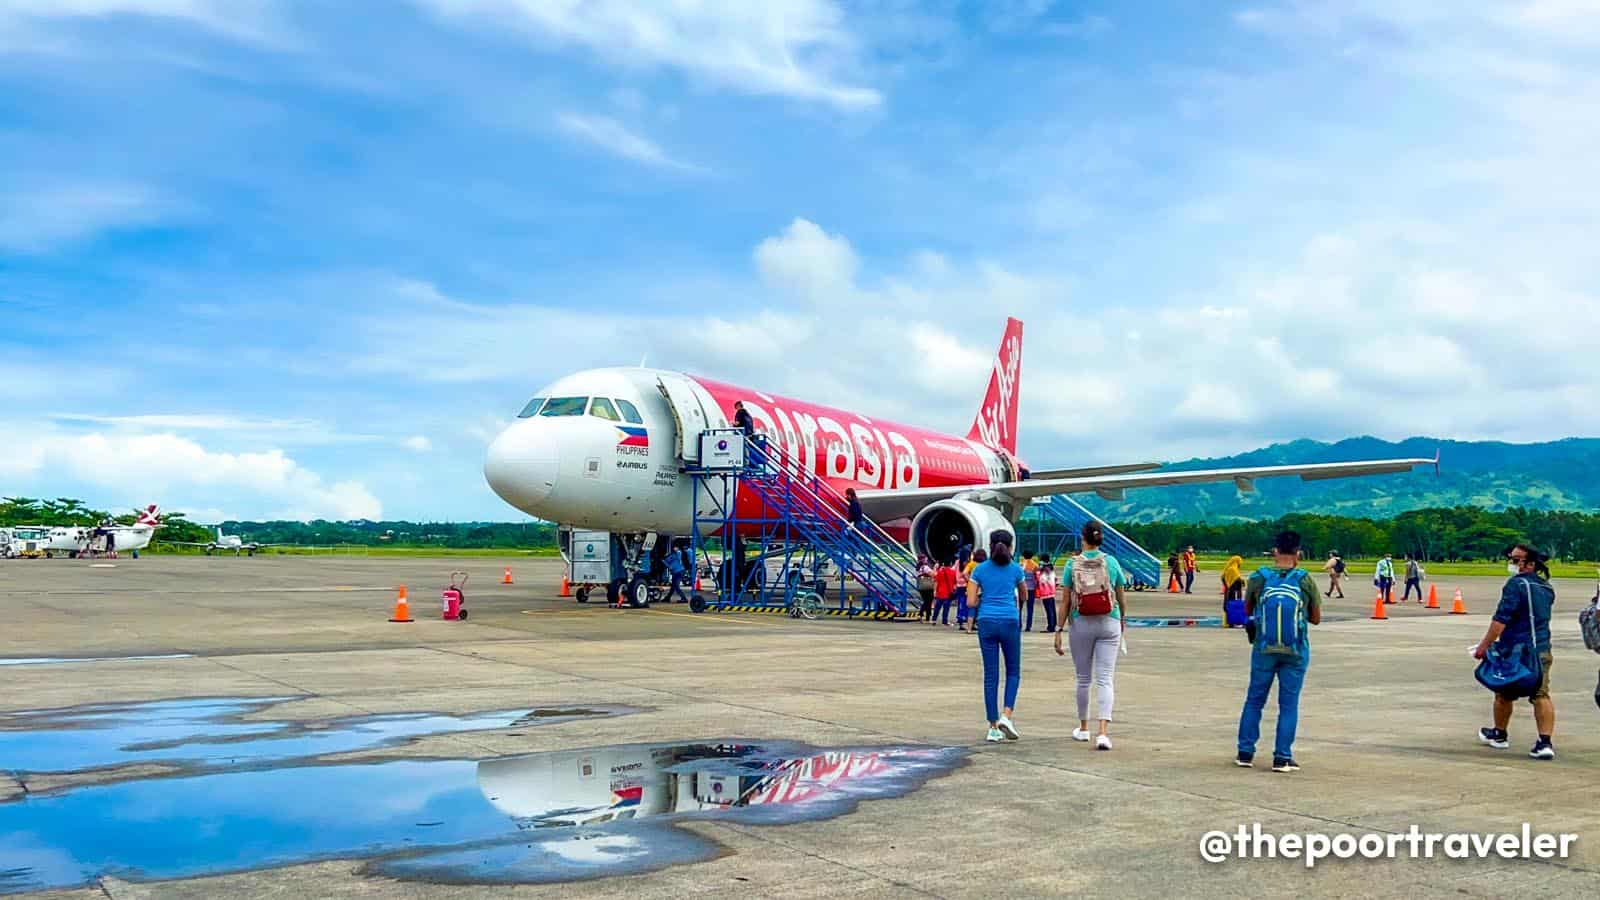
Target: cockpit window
(564,406)
(532,409)
(601,408)
(630,413)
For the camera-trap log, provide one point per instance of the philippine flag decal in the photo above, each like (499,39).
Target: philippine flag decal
(634,437)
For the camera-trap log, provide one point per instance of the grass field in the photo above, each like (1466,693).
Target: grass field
(355,550)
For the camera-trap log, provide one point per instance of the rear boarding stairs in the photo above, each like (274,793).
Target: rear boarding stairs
(1142,568)
(805,549)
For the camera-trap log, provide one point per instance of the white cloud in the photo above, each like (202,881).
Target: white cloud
(38,219)
(179,472)
(417,443)
(1334,342)
(615,138)
(247,20)
(777,47)
(808,260)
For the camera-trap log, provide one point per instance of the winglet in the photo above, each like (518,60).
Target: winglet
(1437,453)
(996,423)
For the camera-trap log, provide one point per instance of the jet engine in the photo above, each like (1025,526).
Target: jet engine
(942,528)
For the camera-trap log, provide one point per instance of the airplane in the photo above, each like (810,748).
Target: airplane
(593,787)
(77,540)
(606,449)
(225,542)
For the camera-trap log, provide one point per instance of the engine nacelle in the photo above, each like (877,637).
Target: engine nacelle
(941,528)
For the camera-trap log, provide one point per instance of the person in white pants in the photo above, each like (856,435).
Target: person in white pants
(1091,613)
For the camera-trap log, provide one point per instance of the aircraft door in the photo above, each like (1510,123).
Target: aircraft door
(692,411)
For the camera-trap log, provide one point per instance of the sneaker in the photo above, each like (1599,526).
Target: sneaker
(1279,764)
(1078,734)
(1103,742)
(995,736)
(1543,750)
(1245,760)
(1494,737)
(1008,729)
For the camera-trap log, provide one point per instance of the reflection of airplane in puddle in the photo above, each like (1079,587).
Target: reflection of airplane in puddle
(592,787)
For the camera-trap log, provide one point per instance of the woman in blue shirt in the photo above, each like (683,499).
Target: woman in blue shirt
(996,590)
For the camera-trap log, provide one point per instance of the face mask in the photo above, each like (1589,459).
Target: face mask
(1511,568)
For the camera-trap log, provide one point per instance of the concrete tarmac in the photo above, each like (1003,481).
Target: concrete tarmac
(1387,727)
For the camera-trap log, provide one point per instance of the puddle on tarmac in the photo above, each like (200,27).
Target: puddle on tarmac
(208,733)
(539,818)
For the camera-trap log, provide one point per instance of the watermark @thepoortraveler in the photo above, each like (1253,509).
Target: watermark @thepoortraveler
(1250,842)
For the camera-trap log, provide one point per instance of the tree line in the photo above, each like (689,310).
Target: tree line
(1445,534)
(1452,534)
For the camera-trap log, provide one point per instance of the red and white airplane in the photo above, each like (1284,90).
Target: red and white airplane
(75,540)
(605,449)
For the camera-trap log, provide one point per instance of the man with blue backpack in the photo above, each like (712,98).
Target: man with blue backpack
(1282,600)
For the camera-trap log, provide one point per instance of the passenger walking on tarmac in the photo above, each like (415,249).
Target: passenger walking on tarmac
(925,587)
(1092,614)
(995,593)
(1523,615)
(1030,578)
(979,557)
(1047,592)
(1282,600)
(944,591)
(679,569)
(1190,567)
(1335,569)
(1233,579)
(1384,577)
(1175,572)
(742,420)
(1233,593)
(1413,578)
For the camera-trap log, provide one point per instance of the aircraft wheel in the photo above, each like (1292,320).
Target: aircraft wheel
(582,595)
(697,604)
(639,592)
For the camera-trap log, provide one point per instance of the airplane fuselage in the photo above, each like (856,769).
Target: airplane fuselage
(616,465)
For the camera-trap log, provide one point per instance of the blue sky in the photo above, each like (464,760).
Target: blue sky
(278,258)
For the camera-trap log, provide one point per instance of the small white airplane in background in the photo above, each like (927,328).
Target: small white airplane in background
(226,542)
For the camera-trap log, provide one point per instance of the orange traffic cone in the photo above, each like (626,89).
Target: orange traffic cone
(697,581)
(1459,609)
(402,608)
(506,579)
(1433,596)
(1378,612)
(566,585)
(1172,586)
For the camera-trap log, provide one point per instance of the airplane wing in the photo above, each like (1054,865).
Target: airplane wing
(1087,471)
(886,506)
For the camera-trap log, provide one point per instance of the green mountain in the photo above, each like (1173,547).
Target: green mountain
(1558,475)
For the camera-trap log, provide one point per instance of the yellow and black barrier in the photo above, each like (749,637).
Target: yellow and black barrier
(878,616)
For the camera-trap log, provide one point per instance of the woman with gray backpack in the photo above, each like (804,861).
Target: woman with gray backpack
(1589,624)
(1091,614)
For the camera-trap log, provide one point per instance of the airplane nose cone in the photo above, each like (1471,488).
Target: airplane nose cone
(521,465)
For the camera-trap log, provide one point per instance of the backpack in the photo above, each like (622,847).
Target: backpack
(1281,613)
(1338,565)
(1589,624)
(1091,581)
